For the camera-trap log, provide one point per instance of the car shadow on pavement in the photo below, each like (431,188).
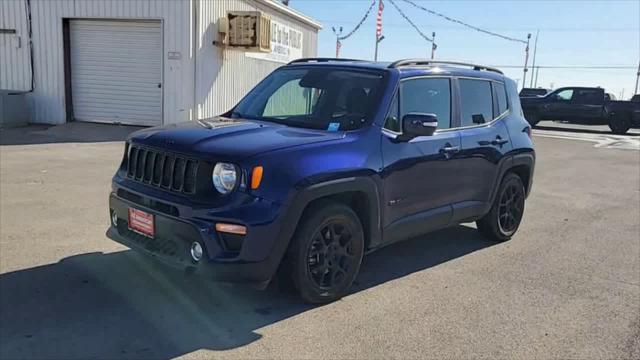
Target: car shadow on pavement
(123,305)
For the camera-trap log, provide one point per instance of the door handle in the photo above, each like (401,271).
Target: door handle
(448,149)
(498,141)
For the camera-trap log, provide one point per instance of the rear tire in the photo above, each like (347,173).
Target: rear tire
(533,119)
(619,124)
(507,210)
(326,253)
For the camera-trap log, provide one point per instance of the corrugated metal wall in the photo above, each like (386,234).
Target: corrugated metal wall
(15,55)
(48,98)
(221,83)
(204,89)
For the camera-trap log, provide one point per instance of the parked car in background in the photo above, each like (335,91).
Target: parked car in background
(582,105)
(323,161)
(533,92)
(635,98)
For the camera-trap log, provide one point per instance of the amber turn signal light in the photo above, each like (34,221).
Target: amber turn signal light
(231,228)
(256,177)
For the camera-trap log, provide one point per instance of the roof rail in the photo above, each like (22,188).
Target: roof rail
(321,59)
(426,62)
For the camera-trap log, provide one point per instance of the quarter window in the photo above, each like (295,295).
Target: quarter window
(501,98)
(476,102)
(430,96)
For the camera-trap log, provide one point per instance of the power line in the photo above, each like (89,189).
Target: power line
(463,23)
(359,23)
(545,29)
(424,36)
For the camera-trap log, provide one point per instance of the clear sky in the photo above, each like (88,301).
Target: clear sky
(582,33)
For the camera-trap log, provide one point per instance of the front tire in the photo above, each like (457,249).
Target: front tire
(326,253)
(505,215)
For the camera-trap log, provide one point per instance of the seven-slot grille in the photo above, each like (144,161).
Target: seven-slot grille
(162,169)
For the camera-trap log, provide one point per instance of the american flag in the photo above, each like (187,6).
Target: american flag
(379,20)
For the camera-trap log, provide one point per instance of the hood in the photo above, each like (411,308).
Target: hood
(228,138)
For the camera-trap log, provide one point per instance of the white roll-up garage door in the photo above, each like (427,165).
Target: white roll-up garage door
(116,71)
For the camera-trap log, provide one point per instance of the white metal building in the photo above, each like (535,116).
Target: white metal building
(142,62)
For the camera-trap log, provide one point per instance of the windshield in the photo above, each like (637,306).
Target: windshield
(315,98)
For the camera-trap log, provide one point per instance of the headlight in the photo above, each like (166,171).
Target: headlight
(224,177)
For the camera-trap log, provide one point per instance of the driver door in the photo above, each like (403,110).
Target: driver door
(560,107)
(419,176)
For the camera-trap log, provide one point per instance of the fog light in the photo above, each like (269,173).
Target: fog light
(196,251)
(114,218)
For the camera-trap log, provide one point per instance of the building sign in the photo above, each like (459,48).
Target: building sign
(286,44)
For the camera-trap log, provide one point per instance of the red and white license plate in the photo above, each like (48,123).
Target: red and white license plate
(141,222)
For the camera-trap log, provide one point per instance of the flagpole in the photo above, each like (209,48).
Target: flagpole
(379,36)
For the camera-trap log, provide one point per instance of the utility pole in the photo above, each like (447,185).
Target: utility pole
(535,50)
(338,44)
(433,45)
(535,84)
(637,78)
(526,60)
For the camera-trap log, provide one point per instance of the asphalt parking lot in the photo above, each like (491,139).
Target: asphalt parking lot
(566,286)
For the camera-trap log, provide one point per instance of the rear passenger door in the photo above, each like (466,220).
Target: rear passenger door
(484,142)
(588,104)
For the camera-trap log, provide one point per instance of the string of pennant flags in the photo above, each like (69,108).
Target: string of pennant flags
(340,37)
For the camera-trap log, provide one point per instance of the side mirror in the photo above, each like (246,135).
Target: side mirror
(419,124)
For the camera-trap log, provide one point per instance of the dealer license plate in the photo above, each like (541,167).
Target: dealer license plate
(141,222)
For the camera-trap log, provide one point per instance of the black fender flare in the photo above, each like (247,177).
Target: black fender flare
(306,195)
(507,164)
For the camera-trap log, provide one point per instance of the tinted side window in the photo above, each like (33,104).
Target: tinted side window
(431,96)
(588,97)
(565,95)
(501,98)
(392,121)
(476,102)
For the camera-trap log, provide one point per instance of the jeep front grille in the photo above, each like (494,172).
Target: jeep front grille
(162,169)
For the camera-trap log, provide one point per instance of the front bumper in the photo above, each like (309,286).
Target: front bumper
(255,262)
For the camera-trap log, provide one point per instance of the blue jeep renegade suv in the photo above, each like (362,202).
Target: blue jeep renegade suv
(324,161)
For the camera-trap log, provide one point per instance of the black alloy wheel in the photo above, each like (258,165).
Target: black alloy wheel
(331,255)
(326,252)
(510,208)
(507,210)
